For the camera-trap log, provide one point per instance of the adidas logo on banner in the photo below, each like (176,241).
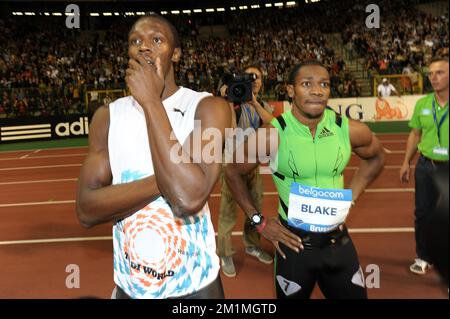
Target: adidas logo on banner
(325,133)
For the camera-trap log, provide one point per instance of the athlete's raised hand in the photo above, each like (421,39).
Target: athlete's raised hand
(145,79)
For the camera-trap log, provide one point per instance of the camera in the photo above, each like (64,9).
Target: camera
(239,87)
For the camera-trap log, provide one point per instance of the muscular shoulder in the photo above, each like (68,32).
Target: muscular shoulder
(360,134)
(213,108)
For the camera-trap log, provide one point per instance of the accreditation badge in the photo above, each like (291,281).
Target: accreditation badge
(318,210)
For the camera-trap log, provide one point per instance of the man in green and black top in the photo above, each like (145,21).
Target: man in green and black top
(429,135)
(308,149)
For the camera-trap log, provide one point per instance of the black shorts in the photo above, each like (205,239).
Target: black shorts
(330,259)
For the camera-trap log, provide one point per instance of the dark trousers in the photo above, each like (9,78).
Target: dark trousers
(426,197)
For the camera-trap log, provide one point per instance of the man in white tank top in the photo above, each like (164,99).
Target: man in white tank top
(164,242)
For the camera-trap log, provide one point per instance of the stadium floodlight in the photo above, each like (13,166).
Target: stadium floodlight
(187,11)
(107,14)
(57,13)
(140,13)
(69,13)
(116,13)
(209,10)
(94,14)
(175,11)
(278,4)
(46,13)
(18,13)
(164,12)
(254,6)
(243,8)
(29,13)
(197,10)
(220,9)
(268,5)
(290,3)
(233,8)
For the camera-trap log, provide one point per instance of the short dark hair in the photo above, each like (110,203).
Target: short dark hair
(296,69)
(176,38)
(439,59)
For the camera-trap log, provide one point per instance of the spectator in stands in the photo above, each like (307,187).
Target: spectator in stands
(385,89)
(30,59)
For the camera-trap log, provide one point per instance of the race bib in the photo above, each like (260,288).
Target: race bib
(318,210)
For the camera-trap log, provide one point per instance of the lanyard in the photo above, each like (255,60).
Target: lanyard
(440,122)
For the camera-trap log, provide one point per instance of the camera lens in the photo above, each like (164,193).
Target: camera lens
(239,91)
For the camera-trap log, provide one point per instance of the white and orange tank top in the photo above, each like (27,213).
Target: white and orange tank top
(157,255)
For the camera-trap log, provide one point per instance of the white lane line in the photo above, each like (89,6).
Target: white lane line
(41,181)
(54,240)
(38,167)
(263,169)
(26,155)
(390,190)
(61,155)
(381,230)
(46,149)
(42,156)
(235,233)
(86,147)
(56,202)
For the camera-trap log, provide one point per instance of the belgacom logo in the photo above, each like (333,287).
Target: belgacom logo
(80,127)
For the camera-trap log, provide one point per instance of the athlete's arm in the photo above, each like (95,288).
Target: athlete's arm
(369,149)
(97,200)
(187,174)
(411,150)
(246,158)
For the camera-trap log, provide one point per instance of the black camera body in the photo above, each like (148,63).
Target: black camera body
(240,87)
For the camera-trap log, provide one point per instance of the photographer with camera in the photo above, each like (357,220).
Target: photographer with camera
(247,112)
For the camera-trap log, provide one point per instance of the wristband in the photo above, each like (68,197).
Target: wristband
(261,227)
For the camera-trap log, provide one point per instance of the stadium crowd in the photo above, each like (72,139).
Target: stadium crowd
(46,69)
